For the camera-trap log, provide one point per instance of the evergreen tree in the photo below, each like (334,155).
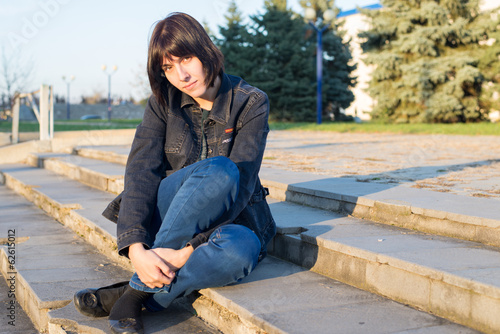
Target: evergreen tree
(276,52)
(488,53)
(425,70)
(234,43)
(283,67)
(277,4)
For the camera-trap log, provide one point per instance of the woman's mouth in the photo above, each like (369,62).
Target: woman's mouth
(191,85)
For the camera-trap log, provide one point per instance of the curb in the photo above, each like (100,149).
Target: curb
(391,212)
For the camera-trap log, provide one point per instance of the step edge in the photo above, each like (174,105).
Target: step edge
(372,276)
(458,226)
(29,301)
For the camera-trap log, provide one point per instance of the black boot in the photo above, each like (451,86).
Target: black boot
(125,316)
(99,302)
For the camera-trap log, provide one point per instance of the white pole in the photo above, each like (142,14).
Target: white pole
(51,113)
(44,112)
(15,120)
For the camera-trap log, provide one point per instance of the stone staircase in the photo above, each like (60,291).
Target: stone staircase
(349,257)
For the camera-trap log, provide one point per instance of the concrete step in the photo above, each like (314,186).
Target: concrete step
(72,203)
(455,279)
(14,320)
(46,263)
(335,255)
(103,175)
(111,153)
(354,261)
(406,266)
(468,218)
(462,217)
(278,297)
(66,141)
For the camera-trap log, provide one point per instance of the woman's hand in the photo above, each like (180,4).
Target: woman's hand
(175,259)
(151,268)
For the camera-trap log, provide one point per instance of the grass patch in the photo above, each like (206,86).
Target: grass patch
(492,129)
(75,125)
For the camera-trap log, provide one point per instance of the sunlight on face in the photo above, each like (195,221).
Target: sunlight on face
(186,74)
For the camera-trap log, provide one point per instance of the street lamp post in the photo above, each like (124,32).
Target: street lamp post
(104,67)
(320,27)
(68,82)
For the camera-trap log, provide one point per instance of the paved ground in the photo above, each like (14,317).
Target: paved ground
(468,166)
(463,165)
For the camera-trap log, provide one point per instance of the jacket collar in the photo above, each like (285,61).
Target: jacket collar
(222,104)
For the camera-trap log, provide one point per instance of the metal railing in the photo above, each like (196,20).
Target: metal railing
(44,114)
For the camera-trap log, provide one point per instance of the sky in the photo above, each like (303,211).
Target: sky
(75,38)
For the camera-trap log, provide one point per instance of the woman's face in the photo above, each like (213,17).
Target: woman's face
(186,74)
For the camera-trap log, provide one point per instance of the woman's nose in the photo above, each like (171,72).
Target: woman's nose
(183,73)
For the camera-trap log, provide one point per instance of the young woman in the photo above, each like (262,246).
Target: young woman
(193,213)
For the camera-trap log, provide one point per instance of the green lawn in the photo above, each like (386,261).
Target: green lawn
(368,127)
(372,127)
(74,125)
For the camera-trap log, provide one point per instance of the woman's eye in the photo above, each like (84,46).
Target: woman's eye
(186,59)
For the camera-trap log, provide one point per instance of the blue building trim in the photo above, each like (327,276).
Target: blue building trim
(356,11)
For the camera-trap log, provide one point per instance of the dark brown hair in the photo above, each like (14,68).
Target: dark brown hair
(180,35)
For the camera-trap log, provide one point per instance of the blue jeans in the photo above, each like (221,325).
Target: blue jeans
(189,202)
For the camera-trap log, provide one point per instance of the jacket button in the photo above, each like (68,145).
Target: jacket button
(210,151)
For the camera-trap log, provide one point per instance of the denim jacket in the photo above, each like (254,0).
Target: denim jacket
(168,139)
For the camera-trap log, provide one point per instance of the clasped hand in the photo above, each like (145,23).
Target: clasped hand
(156,267)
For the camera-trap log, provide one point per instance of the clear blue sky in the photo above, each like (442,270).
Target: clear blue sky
(71,37)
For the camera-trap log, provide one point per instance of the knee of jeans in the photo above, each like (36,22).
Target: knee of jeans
(227,168)
(239,243)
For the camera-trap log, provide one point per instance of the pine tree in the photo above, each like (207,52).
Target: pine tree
(276,52)
(488,53)
(281,5)
(234,43)
(283,67)
(425,70)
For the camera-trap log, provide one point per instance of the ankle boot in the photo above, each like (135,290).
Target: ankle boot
(99,302)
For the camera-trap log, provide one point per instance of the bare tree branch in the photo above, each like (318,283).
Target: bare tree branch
(15,74)
(141,82)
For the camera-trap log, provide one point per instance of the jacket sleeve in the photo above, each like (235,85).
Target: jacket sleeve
(247,153)
(144,172)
